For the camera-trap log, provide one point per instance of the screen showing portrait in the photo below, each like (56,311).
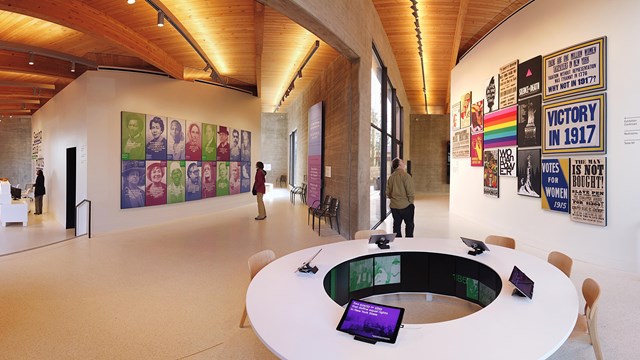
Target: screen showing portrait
(371,321)
(360,274)
(387,270)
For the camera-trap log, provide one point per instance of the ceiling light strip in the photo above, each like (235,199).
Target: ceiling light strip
(414,8)
(298,73)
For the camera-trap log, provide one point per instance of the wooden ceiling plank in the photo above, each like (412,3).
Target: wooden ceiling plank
(259,31)
(462,14)
(79,16)
(18,62)
(27,84)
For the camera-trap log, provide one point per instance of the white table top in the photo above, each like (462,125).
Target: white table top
(295,318)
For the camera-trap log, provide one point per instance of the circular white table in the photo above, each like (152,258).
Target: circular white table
(295,318)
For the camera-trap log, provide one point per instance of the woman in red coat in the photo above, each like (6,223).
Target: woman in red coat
(259,190)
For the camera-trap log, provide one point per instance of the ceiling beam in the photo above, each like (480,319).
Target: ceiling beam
(19,62)
(309,21)
(462,14)
(6,45)
(27,84)
(79,16)
(259,31)
(19,101)
(25,93)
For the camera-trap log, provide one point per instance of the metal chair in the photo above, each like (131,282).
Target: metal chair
(318,206)
(332,212)
(256,262)
(282,180)
(503,241)
(586,325)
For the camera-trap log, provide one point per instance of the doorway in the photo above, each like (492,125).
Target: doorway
(71,189)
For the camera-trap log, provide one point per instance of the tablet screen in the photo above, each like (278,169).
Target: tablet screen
(372,321)
(522,282)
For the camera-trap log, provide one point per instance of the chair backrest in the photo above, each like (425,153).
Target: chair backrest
(365,234)
(591,293)
(259,260)
(334,207)
(561,261)
(503,241)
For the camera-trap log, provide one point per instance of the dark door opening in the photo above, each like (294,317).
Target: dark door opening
(71,188)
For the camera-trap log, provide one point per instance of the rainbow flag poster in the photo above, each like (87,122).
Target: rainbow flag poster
(500,128)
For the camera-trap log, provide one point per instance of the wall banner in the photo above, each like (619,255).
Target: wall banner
(575,126)
(314,156)
(576,69)
(588,190)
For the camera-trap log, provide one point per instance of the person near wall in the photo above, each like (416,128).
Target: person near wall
(39,191)
(401,194)
(259,189)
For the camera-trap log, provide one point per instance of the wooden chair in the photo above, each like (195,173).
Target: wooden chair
(503,241)
(365,234)
(318,207)
(586,325)
(256,262)
(333,212)
(561,261)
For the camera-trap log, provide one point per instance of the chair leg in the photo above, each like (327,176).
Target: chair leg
(338,223)
(244,316)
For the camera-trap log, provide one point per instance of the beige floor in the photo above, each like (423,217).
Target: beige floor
(176,291)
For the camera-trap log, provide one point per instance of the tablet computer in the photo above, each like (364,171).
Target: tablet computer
(371,322)
(523,284)
(378,238)
(477,245)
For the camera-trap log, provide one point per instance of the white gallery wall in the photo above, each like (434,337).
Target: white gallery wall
(86,115)
(543,27)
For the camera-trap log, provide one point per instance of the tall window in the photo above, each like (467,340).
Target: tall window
(386,137)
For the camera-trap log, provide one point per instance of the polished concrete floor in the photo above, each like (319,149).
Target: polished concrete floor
(176,290)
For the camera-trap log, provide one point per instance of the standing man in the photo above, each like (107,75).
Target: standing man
(39,191)
(401,194)
(259,189)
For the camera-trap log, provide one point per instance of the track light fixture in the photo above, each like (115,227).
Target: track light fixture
(31,58)
(207,68)
(73,67)
(131,2)
(298,73)
(160,19)
(414,7)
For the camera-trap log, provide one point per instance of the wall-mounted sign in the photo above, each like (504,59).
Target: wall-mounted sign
(508,84)
(576,69)
(575,126)
(530,77)
(555,185)
(588,190)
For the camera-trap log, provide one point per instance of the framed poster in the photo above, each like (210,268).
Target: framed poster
(176,139)
(156,146)
(530,77)
(529,172)
(588,190)
(246,146)
(132,193)
(209,175)
(500,128)
(477,147)
(477,117)
(465,110)
(455,116)
(491,92)
(175,181)
(235,150)
(508,84)
(491,178)
(577,69)
(460,142)
(156,190)
(222,178)
(133,135)
(193,147)
(555,185)
(209,142)
(193,181)
(223,150)
(529,125)
(507,161)
(245,182)
(575,126)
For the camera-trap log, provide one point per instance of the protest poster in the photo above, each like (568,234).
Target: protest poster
(575,126)
(508,84)
(460,143)
(555,185)
(588,190)
(507,161)
(577,69)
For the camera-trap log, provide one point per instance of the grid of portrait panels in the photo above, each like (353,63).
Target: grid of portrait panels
(167,160)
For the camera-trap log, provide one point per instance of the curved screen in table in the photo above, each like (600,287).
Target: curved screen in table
(421,272)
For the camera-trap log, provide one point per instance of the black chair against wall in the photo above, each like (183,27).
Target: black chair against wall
(293,192)
(282,181)
(318,207)
(301,191)
(332,212)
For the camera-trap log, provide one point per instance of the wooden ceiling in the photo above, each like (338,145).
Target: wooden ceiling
(250,47)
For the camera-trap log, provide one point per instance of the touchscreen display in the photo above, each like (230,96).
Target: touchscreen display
(372,321)
(521,282)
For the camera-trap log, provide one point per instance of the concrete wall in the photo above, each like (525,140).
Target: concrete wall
(15,151)
(541,28)
(275,145)
(429,136)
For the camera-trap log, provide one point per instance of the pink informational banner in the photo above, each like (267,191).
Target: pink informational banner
(314,159)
